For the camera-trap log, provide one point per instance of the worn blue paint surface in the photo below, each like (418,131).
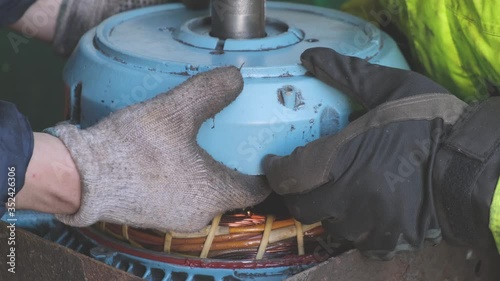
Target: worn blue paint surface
(136,55)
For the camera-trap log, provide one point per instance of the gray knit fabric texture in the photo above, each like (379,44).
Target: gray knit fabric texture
(142,166)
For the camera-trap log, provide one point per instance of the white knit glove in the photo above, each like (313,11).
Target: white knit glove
(78,16)
(142,166)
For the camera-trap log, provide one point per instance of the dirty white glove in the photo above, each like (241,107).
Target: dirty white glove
(78,16)
(142,166)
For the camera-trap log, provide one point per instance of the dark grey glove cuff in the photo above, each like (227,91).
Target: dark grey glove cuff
(465,175)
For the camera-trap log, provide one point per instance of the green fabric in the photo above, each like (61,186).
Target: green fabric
(495,216)
(455,41)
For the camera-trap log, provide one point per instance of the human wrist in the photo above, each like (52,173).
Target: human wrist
(92,151)
(52,182)
(39,20)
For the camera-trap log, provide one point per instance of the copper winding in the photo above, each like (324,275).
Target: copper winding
(232,236)
(260,228)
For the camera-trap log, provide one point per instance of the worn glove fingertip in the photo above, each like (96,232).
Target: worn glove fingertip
(315,57)
(232,78)
(277,174)
(223,84)
(204,95)
(268,161)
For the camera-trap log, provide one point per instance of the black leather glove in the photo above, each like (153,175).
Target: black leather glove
(406,171)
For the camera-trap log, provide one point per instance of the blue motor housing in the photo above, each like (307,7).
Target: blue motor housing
(137,55)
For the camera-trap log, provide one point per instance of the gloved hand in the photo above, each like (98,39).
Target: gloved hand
(78,16)
(142,166)
(420,164)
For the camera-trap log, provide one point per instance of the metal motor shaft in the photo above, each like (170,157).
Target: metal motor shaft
(238,19)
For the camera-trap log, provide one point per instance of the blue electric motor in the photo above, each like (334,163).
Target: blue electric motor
(136,55)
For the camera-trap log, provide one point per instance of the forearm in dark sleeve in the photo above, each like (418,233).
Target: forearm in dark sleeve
(12,10)
(16,148)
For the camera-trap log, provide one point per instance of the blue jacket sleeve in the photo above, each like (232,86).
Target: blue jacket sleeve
(16,148)
(12,10)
